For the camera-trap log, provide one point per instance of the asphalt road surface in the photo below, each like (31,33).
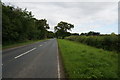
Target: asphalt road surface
(38,60)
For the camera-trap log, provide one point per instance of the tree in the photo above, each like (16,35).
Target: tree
(50,34)
(20,25)
(113,34)
(91,33)
(61,29)
(42,26)
(75,34)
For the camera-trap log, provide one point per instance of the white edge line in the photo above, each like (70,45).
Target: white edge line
(58,63)
(24,53)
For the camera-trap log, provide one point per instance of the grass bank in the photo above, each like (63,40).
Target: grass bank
(82,61)
(17,44)
(106,42)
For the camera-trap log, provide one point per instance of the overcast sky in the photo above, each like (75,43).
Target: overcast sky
(86,16)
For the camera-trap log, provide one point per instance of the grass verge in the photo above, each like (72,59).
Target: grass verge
(19,44)
(82,61)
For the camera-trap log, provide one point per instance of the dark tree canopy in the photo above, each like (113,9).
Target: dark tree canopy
(20,25)
(61,29)
(75,34)
(91,33)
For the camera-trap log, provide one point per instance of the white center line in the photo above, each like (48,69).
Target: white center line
(40,45)
(24,53)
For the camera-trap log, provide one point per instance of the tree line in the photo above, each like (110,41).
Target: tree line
(20,25)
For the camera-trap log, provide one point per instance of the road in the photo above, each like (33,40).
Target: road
(38,60)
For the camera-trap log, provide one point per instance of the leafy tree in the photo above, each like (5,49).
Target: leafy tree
(61,29)
(113,34)
(20,25)
(75,34)
(42,26)
(50,34)
(91,33)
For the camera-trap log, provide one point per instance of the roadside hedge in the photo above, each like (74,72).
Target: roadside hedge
(107,42)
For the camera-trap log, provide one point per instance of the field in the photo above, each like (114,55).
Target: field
(82,61)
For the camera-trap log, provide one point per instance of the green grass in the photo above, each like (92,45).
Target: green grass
(19,44)
(82,61)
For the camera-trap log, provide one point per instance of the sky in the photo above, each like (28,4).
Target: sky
(93,15)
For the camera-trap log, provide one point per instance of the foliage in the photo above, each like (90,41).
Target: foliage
(50,34)
(91,33)
(20,25)
(82,61)
(107,42)
(75,34)
(61,29)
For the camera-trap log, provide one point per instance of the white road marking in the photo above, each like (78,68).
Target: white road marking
(58,64)
(24,53)
(40,45)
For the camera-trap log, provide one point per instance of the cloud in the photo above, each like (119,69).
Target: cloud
(85,16)
(60,0)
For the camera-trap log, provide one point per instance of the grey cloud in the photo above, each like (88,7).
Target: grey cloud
(78,13)
(60,0)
